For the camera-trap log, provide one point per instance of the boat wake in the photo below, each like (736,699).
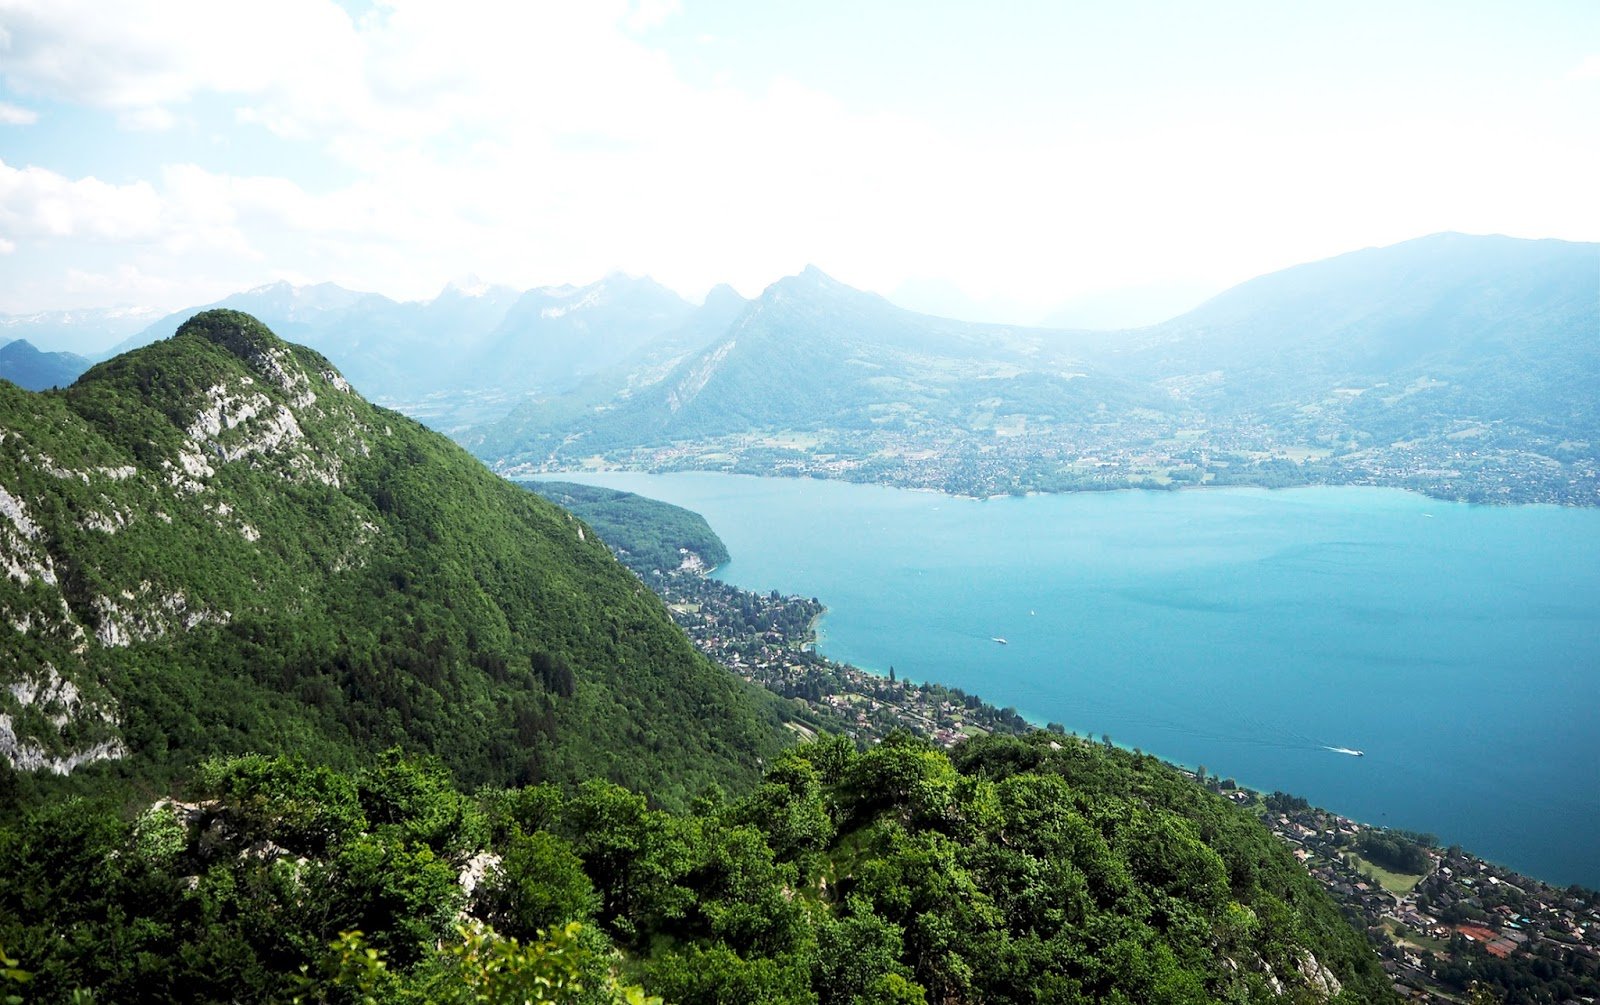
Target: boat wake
(1250,732)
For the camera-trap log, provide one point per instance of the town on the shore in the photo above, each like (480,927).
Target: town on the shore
(1445,922)
(1473,462)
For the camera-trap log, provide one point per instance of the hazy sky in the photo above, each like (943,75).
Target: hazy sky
(1024,154)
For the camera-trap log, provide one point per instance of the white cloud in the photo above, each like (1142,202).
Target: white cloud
(125,283)
(1589,69)
(38,203)
(533,143)
(152,119)
(647,14)
(139,58)
(14,115)
(406,71)
(556,145)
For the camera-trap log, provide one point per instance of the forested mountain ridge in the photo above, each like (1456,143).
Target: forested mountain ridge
(213,544)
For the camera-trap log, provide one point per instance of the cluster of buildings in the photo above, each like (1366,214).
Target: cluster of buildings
(1464,920)
(766,638)
(1147,455)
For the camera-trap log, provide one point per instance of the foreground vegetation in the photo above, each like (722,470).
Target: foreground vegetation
(1013,870)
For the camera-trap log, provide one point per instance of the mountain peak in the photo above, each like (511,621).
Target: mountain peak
(268,356)
(280,286)
(295,299)
(808,278)
(235,331)
(817,279)
(25,365)
(723,294)
(267,495)
(636,285)
(811,283)
(468,285)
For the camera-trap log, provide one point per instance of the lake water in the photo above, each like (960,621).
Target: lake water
(1248,631)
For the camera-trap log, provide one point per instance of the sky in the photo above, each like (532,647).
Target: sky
(1000,160)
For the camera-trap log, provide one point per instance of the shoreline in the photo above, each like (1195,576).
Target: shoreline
(813,636)
(512,474)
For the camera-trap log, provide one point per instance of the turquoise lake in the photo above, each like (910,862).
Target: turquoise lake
(1249,631)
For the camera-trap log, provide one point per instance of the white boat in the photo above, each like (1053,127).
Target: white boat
(999,640)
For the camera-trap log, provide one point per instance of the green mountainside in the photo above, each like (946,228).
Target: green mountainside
(214,545)
(1044,869)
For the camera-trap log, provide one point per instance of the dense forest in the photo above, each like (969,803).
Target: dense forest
(1038,869)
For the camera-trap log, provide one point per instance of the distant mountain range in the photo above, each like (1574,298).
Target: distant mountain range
(1450,308)
(1459,365)
(82,332)
(813,354)
(467,354)
(29,368)
(1454,364)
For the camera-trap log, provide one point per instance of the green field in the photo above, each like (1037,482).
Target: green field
(1397,883)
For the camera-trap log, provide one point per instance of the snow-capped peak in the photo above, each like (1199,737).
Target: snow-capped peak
(468,285)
